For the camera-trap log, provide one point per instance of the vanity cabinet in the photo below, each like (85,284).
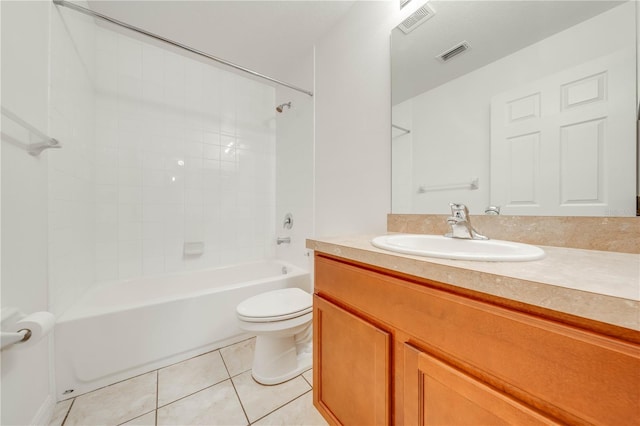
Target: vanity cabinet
(352,351)
(444,395)
(390,348)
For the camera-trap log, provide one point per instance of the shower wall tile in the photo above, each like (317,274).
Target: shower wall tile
(72,181)
(184,152)
(153,266)
(106,271)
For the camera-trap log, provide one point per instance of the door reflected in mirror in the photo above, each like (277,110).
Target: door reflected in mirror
(526,105)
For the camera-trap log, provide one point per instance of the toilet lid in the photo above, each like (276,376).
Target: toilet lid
(275,305)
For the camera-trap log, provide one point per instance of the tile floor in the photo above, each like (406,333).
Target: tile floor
(211,389)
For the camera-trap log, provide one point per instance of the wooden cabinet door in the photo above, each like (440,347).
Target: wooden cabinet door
(351,367)
(436,393)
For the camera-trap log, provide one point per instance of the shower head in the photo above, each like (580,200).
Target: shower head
(280,107)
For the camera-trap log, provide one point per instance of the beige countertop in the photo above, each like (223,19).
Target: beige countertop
(598,285)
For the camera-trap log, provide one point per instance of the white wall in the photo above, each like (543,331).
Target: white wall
(294,175)
(451,123)
(185,152)
(294,160)
(352,121)
(26,389)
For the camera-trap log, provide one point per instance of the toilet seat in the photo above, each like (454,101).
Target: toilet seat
(276,305)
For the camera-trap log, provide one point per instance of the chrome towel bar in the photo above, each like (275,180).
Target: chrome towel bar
(32,148)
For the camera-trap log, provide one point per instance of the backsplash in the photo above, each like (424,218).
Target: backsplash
(618,234)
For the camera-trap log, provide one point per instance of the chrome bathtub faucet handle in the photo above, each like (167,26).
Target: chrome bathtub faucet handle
(288,221)
(460,224)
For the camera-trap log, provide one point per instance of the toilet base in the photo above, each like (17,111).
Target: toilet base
(279,358)
(304,362)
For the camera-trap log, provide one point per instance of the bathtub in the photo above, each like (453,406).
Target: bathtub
(121,329)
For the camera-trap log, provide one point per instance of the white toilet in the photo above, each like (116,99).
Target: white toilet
(281,320)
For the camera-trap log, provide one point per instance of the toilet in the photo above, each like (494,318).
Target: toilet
(281,320)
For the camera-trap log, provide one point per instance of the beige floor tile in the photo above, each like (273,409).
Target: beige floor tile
(115,404)
(239,357)
(308,376)
(217,405)
(298,412)
(190,376)
(60,412)
(148,419)
(259,400)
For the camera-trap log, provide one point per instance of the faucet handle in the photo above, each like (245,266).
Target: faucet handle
(461,225)
(459,211)
(492,210)
(288,221)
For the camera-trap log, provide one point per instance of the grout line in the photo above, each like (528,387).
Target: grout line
(283,405)
(240,401)
(193,393)
(199,390)
(73,401)
(240,373)
(205,353)
(225,364)
(235,390)
(136,417)
(305,379)
(157,395)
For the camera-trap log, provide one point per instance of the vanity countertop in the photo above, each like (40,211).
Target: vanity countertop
(597,285)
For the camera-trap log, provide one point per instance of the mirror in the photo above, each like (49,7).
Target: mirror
(529,106)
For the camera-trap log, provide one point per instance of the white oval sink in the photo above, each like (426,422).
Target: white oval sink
(460,249)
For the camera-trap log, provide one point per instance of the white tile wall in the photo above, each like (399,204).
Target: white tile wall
(158,150)
(185,152)
(71,174)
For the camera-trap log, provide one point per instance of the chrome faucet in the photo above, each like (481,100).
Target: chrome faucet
(283,240)
(461,225)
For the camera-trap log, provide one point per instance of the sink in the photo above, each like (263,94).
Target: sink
(456,248)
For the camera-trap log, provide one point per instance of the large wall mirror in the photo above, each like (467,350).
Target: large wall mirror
(530,106)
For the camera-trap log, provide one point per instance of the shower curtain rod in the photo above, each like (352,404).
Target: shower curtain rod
(90,12)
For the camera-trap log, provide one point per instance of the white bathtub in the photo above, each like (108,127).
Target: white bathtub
(121,329)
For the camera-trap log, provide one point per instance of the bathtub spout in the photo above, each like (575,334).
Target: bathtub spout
(283,240)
